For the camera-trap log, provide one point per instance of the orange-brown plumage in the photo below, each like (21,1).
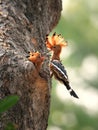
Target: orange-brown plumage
(55,43)
(37,59)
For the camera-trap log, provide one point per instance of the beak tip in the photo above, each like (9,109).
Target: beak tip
(27,56)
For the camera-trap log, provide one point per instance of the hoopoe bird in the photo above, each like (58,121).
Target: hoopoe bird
(55,43)
(37,59)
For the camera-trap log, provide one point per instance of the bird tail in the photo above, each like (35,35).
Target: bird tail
(71,91)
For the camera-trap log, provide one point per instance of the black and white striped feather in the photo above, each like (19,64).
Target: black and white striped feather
(60,74)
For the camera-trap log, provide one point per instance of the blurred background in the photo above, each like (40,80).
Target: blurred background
(79,26)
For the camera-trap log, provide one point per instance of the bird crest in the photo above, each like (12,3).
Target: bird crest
(55,40)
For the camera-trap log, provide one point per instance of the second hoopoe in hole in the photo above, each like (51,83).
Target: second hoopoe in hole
(55,44)
(37,59)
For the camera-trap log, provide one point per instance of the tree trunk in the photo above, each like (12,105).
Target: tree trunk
(23,27)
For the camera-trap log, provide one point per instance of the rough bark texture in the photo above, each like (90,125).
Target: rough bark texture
(23,27)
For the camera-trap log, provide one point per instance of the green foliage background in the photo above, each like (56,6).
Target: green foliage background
(5,104)
(79,25)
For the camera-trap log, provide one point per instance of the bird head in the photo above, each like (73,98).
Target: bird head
(55,42)
(36,57)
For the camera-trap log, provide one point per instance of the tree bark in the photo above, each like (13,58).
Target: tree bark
(23,27)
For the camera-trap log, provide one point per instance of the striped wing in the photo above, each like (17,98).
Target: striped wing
(61,74)
(59,70)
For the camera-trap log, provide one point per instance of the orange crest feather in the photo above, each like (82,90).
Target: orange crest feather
(55,40)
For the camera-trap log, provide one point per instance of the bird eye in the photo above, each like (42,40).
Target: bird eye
(54,47)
